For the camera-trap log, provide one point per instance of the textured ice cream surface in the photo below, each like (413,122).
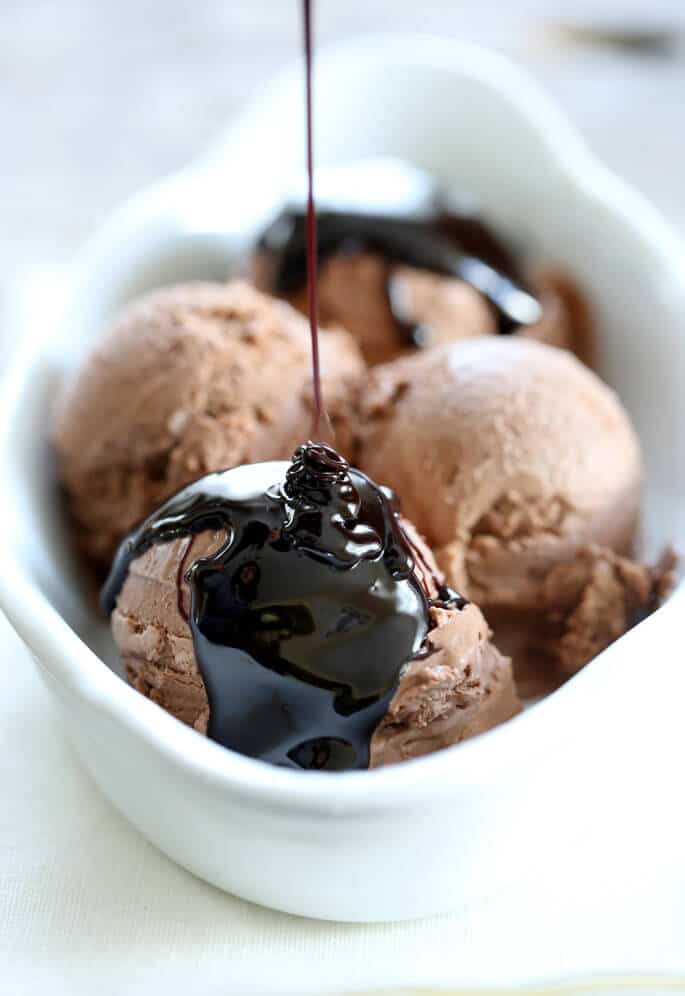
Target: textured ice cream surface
(595,598)
(352,293)
(457,686)
(189,379)
(586,603)
(510,456)
(463,688)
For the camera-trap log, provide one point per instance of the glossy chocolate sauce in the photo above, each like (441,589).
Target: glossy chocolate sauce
(441,241)
(304,618)
(311,223)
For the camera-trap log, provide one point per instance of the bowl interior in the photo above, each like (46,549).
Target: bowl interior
(469,128)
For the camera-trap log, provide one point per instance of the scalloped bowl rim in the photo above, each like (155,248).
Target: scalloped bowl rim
(79,671)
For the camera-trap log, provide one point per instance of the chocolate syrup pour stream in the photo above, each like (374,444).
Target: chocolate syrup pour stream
(312,253)
(316,598)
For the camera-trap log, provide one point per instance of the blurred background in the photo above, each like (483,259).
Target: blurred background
(99,98)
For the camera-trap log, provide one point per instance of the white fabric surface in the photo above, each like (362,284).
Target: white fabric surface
(88,906)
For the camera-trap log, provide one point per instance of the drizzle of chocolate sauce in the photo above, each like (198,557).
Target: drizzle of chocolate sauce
(442,241)
(311,223)
(304,618)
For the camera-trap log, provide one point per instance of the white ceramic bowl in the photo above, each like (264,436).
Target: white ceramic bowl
(444,831)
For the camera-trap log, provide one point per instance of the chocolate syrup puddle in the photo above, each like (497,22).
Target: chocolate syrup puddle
(442,242)
(304,618)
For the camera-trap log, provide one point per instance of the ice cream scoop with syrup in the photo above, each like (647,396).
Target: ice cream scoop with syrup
(290,613)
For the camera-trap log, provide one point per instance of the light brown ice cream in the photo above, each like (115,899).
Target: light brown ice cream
(463,687)
(353,293)
(510,456)
(586,603)
(189,379)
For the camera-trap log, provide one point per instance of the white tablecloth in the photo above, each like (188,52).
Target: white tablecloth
(87,906)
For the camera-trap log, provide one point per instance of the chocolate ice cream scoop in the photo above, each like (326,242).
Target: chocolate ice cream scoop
(401,283)
(278,607)
(358,291)
(189,379)
(510,456)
